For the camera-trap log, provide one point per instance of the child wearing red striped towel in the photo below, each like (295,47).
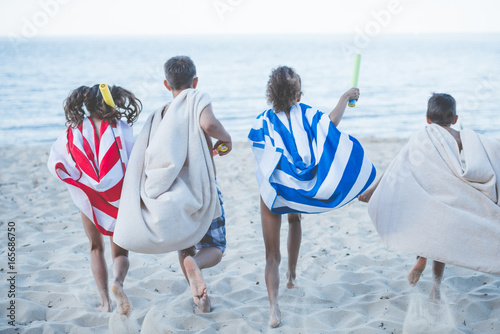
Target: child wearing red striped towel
(91,157)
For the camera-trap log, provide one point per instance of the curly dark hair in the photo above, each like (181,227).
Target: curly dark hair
(283,88)
(127,105)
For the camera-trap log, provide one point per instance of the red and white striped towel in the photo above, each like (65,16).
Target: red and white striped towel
(93,169)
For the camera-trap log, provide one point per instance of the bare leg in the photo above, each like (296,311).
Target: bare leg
(182,254)
(367,194)
(208,257)
(417,270)
(294,240)
(196,281)
(437,273)
(271,225)
(192,266)
(97,261)
(120,269)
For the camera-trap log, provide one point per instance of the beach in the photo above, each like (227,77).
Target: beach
(348,281)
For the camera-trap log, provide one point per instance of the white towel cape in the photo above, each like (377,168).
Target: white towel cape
(169,195)
(431,203)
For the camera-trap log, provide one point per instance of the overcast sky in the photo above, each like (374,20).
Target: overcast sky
(32,18)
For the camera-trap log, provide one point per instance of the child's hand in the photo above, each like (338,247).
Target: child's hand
(228,144)
(351,94)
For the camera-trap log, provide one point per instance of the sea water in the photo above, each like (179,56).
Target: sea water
(398,74)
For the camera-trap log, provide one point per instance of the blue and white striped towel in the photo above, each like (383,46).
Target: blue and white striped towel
(305,164)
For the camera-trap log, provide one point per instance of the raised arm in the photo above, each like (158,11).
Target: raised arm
(215,129)
(338,111)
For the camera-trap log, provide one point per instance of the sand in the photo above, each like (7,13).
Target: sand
(348,282)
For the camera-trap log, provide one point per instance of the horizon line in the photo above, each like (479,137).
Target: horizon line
(13,35)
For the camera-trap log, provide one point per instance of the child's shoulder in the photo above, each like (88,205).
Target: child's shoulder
(196,92)
(197,96)
(311,112)
(265,113)
(124,129)
(304,106)
(121,123)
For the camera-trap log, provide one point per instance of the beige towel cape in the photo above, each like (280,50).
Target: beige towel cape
(431,203)
(169,196)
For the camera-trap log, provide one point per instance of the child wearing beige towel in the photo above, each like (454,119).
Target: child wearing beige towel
(180,74)
(441,110)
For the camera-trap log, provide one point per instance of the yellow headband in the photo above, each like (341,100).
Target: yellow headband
(106,95)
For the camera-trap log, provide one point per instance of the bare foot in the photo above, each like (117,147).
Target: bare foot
(417,270)
(105,308)
(122,302)
(275,316)
(204,306)
(366,195)
(196,282)
(291,284)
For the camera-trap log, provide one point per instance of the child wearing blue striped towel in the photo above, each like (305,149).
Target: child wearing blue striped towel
(304,164)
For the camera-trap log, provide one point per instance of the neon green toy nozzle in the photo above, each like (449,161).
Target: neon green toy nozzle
(355,75)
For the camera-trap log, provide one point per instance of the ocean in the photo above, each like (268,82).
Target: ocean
(398,74)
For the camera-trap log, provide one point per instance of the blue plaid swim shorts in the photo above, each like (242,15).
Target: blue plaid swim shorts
(216,234)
